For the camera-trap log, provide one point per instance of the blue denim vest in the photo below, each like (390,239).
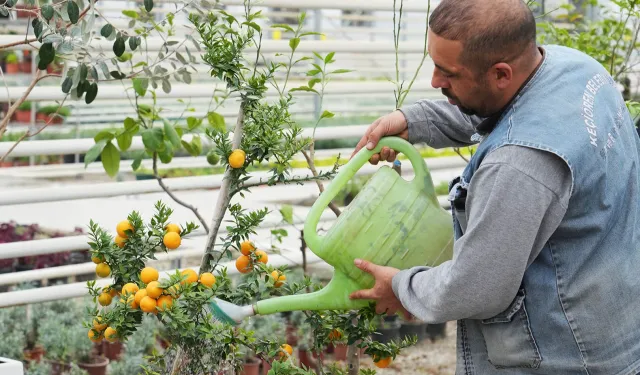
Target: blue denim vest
(578,307)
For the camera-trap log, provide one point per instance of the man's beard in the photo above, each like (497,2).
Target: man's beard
(466,110)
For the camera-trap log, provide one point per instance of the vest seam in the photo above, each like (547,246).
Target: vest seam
(564,310)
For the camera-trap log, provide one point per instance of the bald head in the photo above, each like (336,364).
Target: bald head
(491,31)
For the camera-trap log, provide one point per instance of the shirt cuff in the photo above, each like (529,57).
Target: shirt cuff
(402,280)
(416,123)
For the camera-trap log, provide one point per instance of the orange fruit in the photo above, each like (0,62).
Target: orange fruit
(139,296)
(243,264)
(237,158)
(153,290)
(105,299)
(97,259)
(148,305)
(382,363)
(130,288)
(262,256)
(109,290)
(247,247)
(172,240)
(98,325)
(286,348)
(119,241)
(131,301)
(174,291)
(279,278)
(192,276)
(95,335)
(111,334)
(149,274)
(122,227)
(335,335)
(164,302)
(207,279)
(175,228)
(103,270)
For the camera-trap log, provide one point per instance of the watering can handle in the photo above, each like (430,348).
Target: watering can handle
(422,178)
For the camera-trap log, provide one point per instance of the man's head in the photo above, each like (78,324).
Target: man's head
(483,51)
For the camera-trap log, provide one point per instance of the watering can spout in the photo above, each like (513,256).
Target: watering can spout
(334,296)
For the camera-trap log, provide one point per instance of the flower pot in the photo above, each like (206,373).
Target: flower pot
(55,119)
(54,69)
(97,366)
(389,331)
(11,367)
(112,351)
(6,164)
(251,367)
(435,331)
(12,68)
(266,366)
(23,116)
(413,328)
(41,117)
(25,67)
(34,354)
(292,337)
(306,358)
(340,352)
(22,11)
(58,368)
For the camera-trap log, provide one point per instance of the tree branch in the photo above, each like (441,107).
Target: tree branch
(457,151)
(14,107)
(173,196)
(260,182)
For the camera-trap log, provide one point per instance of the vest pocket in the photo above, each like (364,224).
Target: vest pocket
(508,337)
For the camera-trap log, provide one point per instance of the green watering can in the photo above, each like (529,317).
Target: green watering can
(391,222)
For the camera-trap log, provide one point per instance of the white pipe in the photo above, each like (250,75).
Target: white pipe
(77,290)
(82,145)
(183,91)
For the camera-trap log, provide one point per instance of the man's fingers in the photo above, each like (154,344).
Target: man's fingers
(392,156)
(363,294)
(378,132)
(366,266)
(365,137)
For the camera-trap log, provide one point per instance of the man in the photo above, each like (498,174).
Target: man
(544,276)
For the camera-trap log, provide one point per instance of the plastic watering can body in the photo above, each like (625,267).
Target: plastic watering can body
(391,222)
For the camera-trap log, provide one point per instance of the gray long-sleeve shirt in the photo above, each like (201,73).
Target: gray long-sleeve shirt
(516,200)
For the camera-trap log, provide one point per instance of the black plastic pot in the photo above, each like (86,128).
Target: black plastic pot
(410,329)
(389,331)
(435,331)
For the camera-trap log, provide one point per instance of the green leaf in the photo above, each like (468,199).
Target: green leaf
(67,84)
(124,140)
(118,75)
(172,135)
(137,160)
(129,123)
(94,152)
(37,27)
(73,11)
(329,57)
(118,46)
(193,122)
(92,92)
(340,71)
(287,213)
(104,134)
(187,146)
(166,86)
(313,72)
(181,58)
(140,85)
(254,26)
(166,154)
(313,81)
(131,14)
(105,69)
(294,43)
(310,33)
(47,12)
(148,5)
(216,120)
(111,159)
(283,26)
(106,30)
(304,88)
(327,114)
(152,139)
(132,44)
(94,73)
(195,148)
(47,54)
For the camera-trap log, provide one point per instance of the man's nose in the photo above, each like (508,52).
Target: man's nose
(438,81)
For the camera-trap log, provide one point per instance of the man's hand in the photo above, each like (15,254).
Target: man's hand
(393,124)
(382,292)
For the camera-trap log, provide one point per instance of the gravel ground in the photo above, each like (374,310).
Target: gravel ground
(429,358)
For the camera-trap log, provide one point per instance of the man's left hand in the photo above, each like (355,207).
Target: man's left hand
(382,291)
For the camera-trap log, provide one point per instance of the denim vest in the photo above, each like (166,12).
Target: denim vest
(578,306)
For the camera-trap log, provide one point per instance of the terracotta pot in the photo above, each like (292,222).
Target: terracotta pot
(292,337)
(98,366)
(25,66)
(21,11)
(41,117)
(112,350)
(306,359)
(12,68)
(23,116)
(266,366)
(340,352)
(251,368)
(58,368)
(54,69)
(34,354)
(6,164)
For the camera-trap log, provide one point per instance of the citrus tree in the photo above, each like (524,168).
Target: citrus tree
(264,133)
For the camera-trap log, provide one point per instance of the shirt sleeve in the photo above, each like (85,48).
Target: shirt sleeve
(516,200)
(439,124)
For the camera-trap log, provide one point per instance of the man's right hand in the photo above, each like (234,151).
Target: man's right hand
(393,124)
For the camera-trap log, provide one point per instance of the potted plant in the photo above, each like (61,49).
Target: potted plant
(24,10)
(56,66)
(413,327)
(12,328)
(129,364)
(48,114)
(38,368)
(435,331)
(23,113)
(25,65)
(11,63)
(388,329)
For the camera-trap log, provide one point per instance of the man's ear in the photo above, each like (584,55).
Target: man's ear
(502,74)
